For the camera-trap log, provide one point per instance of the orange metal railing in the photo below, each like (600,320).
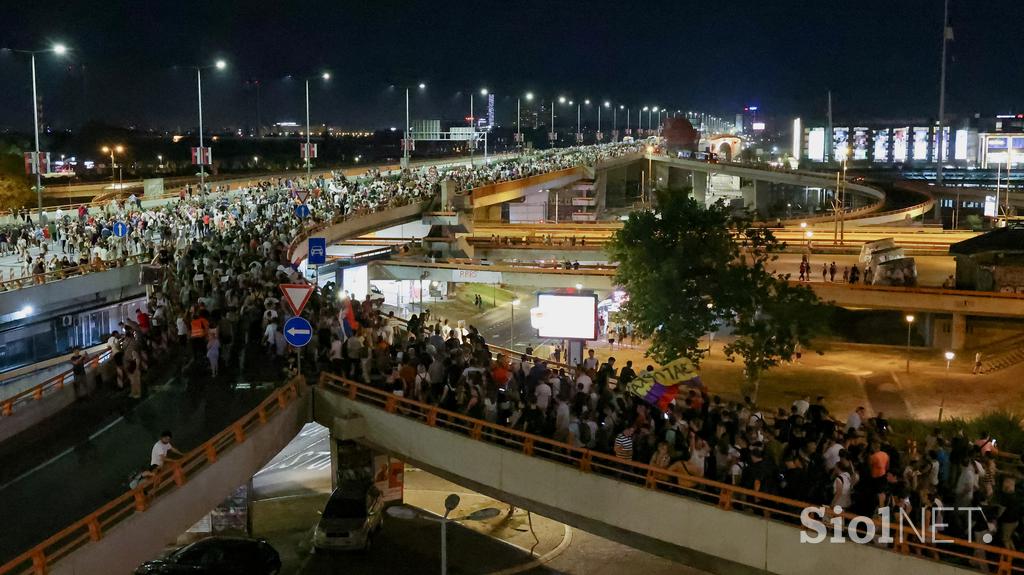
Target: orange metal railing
(727,497)
(61,274)
(176,473)
(48,387)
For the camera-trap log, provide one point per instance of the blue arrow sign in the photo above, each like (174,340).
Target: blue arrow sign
(317,251)
(302,211)
(297,331)
(120,229)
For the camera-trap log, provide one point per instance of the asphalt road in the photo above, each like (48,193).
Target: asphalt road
(97,464)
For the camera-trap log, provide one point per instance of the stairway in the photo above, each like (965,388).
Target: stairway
(1006,353)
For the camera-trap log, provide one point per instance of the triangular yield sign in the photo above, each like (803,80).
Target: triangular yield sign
(302,195)
(296,295)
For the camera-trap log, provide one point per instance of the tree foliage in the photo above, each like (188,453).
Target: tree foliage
(15,187)
(689,269)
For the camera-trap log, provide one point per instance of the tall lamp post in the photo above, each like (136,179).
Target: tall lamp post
(519,118)
(110,150)
(450,504)
(308,152)
(220,65)
(910,323)
(407,136)
(512,324)
(60,50)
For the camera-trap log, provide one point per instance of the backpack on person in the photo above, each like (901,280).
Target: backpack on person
(585,434)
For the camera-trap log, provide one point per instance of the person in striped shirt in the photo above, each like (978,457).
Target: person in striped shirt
(624,444)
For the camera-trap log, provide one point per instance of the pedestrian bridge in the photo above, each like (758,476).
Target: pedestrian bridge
(716,527)
(917,299)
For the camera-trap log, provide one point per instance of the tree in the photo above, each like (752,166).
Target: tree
(15,187)
(688,269)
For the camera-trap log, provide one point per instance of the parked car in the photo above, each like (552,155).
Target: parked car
(217,556)
(353,514)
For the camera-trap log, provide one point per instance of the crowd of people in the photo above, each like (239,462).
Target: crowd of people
(226,254)
(803,453)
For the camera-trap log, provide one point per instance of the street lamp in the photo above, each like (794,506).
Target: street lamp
(406,136)
(519,117)
(59,50)
(910,323)
(110,150)
(512,324)
(308,152)
(201,156)
(949,359)
(450,504)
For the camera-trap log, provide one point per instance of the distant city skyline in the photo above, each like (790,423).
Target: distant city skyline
(877,61)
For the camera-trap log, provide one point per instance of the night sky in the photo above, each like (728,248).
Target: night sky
(879,57)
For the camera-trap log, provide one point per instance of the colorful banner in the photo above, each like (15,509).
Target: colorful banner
(661,386)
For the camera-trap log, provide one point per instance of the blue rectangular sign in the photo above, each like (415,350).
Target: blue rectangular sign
(317,251)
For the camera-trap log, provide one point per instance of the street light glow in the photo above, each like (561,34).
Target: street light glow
(60,49)
(587,101)
(515,301)
(607,104)
(529,96)
(561,99)
(483,91)
(950,355)
(909,318)
(221,64)
(422,86)
(326,75)
(645,108)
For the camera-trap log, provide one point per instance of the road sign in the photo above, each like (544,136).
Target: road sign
(317,251)
(296,295)
(120,229)
(302,211)
(297,331)
(301,195)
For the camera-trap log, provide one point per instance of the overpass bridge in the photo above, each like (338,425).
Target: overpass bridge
(716,527)
(959,304)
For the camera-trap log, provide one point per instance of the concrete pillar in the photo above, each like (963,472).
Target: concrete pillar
(958,331)
(678,179)
(661,175)
(757,197)
(700,186)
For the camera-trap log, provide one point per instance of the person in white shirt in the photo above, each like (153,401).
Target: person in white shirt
(543,393)
(855,419)
(583,382)
(590,364)
(158,456)
(802,405)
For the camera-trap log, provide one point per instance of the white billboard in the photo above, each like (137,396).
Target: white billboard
(816,144)
(565,316)
(960,146)
(355,281)
(840,143)
(920,143)
(881,146)
(900,144)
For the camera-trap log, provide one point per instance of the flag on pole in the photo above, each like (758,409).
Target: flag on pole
(308,151)
(202,156)
(37,166)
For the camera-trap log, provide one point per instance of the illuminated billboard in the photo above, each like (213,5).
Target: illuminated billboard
(920,143)
(900,143)
(960,146)
(816,144)
(881,151)
(945,144)
(840,142)
(355,281)
(565,316)
(860,143)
